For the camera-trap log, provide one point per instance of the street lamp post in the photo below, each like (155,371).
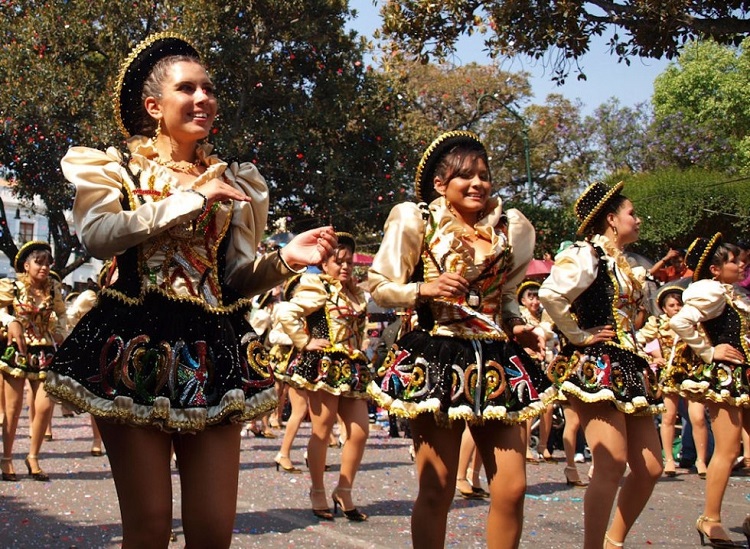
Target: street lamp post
(524,136)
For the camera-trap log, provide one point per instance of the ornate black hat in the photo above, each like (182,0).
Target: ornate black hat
(424,181)
(134,71)
(667,290)
(591,203)
(347,239)
(527,285)
(26,249)
(699,255)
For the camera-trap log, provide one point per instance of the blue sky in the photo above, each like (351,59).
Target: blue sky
(605,76)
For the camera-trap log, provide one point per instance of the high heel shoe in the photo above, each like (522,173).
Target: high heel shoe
(746,529)
(326,468)
(608,541)
(290,469)
(352,514)
(9,476)
(701,468)
(467,494)
(571,476)
(720,543)
(322,513)
(669,469)
(38,474)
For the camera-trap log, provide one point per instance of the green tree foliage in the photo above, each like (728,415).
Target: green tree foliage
(294,94)
(707,91)
(562,30)
(678,205)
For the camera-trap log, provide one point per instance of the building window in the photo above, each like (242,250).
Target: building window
(25,231)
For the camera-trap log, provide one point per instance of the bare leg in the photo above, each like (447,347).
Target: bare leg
(298,401)
(465,455)
(746,437)
(545,427)
(323,410)
(13,389)
(502,448)
(96,443)
(437,450)
(605,431)
(473,472)
(570,432)
(668,419)
(44,409)
(697,415)
(353,412)
(209,485)
(727,426)
(140,460)
(644,460)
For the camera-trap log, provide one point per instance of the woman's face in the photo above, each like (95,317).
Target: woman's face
(339,265)
(469,189)
(38,266)
(671,306)
(187,104)
(626,223)
(728,272)
(530,300)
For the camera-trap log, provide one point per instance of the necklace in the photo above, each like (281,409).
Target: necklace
(182,166)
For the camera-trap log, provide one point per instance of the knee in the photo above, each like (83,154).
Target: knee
(508,491)
(609,470)
(435,496)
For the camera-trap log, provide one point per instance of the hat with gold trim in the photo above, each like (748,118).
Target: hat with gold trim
(424,181)
(699,255)
(525,286)
(26,249)
(665,291)
(592,202)
(134,71)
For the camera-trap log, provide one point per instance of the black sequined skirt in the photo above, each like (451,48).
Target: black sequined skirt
(163,363)
(473,380)
(608,373)
(720,382)
(334,372)
(33,365)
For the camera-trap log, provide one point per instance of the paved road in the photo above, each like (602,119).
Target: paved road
(78,507)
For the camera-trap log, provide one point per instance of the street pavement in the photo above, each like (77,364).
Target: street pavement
(78,508)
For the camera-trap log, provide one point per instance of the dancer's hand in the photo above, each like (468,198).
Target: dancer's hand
(15,333)
(724,352)
(317,344)
(310,248)
(601,335)
(446,285)
(216,190)
(530,338)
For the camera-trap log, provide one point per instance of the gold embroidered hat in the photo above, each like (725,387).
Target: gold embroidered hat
(699,255)
(26,249)
(527,285)
(347,239)
(424,181)
(665,291)
(135,69)
(591,203)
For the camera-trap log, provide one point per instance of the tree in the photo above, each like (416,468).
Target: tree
(707,93)
(295,97)
(562,30)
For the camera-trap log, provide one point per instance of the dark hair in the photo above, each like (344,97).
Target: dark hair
(676,293)
(721,255)
(599,224)
(452,162)
(153,86)
(39,254)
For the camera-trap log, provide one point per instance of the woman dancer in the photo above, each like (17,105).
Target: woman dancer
(595,301)
(452,260)
(674,359)
(325,319)
(33,314)
(722,382)
(158,360)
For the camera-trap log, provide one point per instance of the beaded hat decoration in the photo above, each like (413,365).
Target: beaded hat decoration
(699,255)
(26,249)
(591,203)
(347,239)
(424,180)
(665,291)
(527,285)
(134,71)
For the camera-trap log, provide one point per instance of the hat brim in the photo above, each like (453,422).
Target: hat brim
(664,291)
(134,71)
(701,270)
(425,179)
(525,286)
(25,250)
(606,199)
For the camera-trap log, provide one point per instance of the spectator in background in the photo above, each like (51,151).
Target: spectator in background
(670,267)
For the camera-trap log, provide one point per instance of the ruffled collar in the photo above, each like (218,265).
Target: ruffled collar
(485,227)
(355,295)
(144,146)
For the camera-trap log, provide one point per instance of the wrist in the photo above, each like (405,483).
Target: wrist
(301,269)
(204,207)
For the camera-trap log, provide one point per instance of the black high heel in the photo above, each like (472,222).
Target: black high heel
(291,470)
(572,478)
(470,494)
(8,477)
(720,543)
(322,514)
(38,474)
(352,514)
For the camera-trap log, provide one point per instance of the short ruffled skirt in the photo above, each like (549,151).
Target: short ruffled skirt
(608,373)
(33,365)
(720,382)
(684,361)
(336,373)
(163,363)
(461,379)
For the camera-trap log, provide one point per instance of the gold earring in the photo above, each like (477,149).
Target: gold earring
(157,131)
(614,230)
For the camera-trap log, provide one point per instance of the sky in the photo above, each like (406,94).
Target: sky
(606,77)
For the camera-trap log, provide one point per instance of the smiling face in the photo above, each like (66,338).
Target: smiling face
(530,300)
(468,188)
(38,265)
(186,105)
